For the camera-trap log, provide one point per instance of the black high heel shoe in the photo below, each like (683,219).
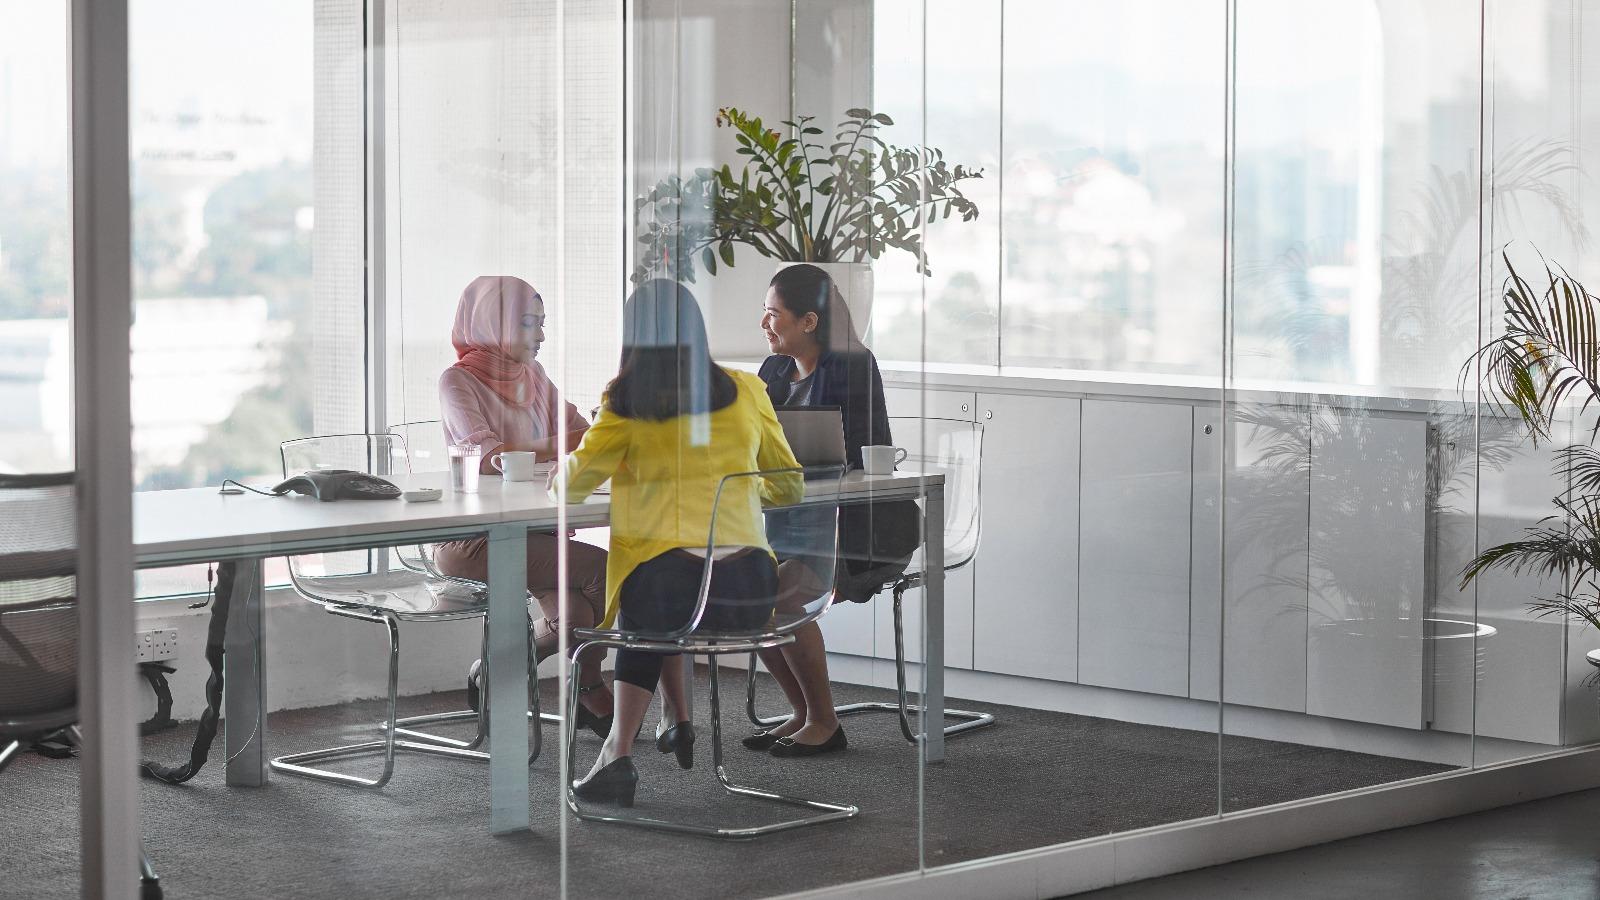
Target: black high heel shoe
(678,739)
(615,782)
(600,725)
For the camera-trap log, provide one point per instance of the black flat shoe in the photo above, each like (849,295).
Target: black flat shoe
(678,739)
(788,747)
(600,725)
(614,783)
(761,741)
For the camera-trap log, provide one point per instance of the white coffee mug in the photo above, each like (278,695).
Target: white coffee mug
(515,465)
(881,459)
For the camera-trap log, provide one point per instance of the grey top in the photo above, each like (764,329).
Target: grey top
(800,391)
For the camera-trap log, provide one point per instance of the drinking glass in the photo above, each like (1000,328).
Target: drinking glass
(464,462)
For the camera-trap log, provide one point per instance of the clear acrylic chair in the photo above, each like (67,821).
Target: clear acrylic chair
(952,448)
(426,446)
(39,620)
(812,535)
(367,587)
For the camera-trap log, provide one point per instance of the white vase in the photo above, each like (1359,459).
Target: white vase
(854,281)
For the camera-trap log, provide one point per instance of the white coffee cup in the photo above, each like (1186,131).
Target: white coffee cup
(515,465)
(880,459)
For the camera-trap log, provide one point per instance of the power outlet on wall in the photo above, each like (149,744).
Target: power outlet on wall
(157,645)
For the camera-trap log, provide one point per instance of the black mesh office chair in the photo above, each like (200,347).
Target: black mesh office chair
(39,620)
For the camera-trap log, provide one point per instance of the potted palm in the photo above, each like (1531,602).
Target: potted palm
(794,200)
(1545,364)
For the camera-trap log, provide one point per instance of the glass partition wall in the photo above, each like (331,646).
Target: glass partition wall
(36,431)
(1183,302)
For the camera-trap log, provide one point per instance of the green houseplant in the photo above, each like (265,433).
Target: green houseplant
(795,200)
(1545,364)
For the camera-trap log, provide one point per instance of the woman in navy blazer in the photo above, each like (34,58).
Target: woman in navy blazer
(818,360)
(847,379)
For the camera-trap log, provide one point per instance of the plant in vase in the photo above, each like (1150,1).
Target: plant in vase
(1546,365)
(795,200)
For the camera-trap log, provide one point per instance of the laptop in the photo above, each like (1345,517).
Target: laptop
(814,433)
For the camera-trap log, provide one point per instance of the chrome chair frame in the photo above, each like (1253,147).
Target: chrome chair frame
(966,720)
(400,733)
(712,645)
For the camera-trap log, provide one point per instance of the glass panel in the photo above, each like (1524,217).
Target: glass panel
(500,239)
(1347,456)
(251,308)
(225,240)
(1074,622)
(1534,687)
(700,75)
(38,638)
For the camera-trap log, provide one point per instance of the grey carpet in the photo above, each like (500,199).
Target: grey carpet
(1034,779)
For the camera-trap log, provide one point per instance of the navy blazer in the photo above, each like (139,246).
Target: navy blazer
(849,381)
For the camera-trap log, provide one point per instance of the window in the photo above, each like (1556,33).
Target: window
(35,240)
(1099,242)
(248,304)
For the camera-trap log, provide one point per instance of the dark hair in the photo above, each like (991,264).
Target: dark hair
(666,369)
(808,289)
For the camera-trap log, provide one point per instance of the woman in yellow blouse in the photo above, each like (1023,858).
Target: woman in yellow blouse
(671,426)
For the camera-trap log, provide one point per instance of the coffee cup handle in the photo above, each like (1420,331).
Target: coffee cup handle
(499,466)
(900,455)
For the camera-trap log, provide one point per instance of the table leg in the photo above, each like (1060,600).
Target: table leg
(244,691)
(507,665)
(933,628)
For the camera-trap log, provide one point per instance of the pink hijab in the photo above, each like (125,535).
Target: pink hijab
(488,320)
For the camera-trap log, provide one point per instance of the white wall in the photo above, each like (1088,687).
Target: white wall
(314,658)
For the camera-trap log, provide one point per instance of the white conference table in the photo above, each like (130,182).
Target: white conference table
(200,525)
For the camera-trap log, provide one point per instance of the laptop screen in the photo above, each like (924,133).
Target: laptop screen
(815,434)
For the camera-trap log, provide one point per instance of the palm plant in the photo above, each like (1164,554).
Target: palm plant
(798,201)
(1546,363)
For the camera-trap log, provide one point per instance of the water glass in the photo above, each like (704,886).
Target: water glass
(464,462)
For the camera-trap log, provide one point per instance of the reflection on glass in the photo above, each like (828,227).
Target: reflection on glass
(1352,512)
(1112,199)
(1331,631)
(962,120)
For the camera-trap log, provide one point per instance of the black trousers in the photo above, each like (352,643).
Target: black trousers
(659,596)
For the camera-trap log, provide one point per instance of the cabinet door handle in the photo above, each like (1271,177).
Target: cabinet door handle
(988,414)
(963,407)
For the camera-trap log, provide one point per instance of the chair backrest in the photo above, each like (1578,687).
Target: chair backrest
(952,448)
(807,532)
(378,454)
(425,445)
(38,603)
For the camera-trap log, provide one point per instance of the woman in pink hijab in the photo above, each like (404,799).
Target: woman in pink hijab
(499,397)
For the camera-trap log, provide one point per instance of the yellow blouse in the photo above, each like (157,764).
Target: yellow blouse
(664,478)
